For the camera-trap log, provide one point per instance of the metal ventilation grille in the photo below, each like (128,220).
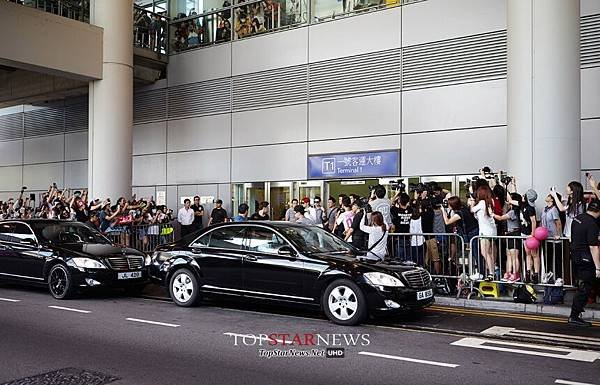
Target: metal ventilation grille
(360,74)
(270,88)
(590,41)
(11,126)
(76,117)
(45,122)
(149,105)
(455,60)
(203,98)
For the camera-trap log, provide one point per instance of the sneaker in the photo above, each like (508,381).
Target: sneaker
(511,278)
(578,321)
(517,277)
(476,277)
(506,276)
(489,277)
(548,278)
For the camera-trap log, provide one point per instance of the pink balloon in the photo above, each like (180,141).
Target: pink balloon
(541,233)
(532,243)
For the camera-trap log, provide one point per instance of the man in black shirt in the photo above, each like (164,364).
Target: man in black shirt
(401,213)
(359,237)
(218,215)
(585,254)
(198,213)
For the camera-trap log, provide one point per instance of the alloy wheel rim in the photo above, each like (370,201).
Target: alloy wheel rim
(342,302)
(183,287)
(58,282)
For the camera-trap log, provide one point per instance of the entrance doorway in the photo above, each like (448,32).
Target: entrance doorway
(358,187)
(279,196)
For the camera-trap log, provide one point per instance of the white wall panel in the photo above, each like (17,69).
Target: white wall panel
(434,20)
(374,143)
(44,149)
(590,93)
(172,198)
(458,106)
(590,138)
(374,31)
(348,118)
(11,179)
(40,176)
(76,174)
(11,153)
(201,133)
(144,192)
(225,195)
(76,146)
(269,163)
(271,125)
(276,50)
(149,170)
(590,7)
(201,64)
(210,166)
(149,138)
(454,152)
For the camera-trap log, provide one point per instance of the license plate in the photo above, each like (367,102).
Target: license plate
(130,275)
(424,294)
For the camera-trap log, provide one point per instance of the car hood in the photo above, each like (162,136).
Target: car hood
(95,250)
(347,259)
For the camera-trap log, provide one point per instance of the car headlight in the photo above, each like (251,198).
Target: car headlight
(382,279)
(86,263)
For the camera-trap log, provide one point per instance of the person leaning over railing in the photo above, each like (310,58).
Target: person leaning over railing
(483,208)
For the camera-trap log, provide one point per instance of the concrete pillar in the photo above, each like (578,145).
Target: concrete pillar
(111,103)
(544,93)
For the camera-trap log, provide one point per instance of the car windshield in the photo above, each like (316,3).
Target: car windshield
(67,232)
(315,240)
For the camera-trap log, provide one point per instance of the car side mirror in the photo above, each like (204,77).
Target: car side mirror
(286,251)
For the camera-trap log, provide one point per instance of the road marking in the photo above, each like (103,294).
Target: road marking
(535,350)
(566,382)
(508,331)
(261,337)
(70,309)
(152,322)
(10,300)
(398,358)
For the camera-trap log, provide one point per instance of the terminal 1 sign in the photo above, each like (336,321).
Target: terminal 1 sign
(354,165)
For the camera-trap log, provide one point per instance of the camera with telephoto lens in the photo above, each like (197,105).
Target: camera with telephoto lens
(398,185)
(363,203)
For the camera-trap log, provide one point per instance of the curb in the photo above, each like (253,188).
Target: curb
(535,308)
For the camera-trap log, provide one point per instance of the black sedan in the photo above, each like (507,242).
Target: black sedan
(67,256)
(284,262)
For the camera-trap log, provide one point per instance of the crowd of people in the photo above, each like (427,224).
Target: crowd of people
(150,30)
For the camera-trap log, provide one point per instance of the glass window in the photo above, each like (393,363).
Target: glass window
(257,17)
(67,232)
(315,240)
(323,10)
(203,241)
(6,232)
(264,240)
(228,238)
(23,232)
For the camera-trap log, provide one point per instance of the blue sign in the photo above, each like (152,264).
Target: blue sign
(363,164)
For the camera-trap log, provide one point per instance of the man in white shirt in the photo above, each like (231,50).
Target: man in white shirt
(380,203)
(185,217)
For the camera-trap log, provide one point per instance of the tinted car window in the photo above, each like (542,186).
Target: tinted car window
(315,240)
(6,232)
(264,240)
(203,241)
(67,232)
(23,232)
(228,238)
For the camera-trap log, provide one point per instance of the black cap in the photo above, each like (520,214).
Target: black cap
(594,206)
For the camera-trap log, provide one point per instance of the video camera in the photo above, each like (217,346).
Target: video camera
(398,185)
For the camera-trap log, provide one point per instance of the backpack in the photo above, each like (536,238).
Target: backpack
(524,294)
(554,295)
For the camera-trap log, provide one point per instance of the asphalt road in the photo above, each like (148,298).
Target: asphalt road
(113,339)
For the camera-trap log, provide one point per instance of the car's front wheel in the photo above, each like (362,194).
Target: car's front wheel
(184,288)
(344,303)
(60,282)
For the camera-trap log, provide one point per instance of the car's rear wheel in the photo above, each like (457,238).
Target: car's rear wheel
(344,303)
(60,282)
(184,288)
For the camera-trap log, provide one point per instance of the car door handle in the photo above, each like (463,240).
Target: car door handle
(250,258)
(196,251)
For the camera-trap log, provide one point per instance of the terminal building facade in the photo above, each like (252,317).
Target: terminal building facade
(316,98)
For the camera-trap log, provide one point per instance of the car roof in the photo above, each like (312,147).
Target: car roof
(36,220)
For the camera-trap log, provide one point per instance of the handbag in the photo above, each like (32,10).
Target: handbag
(524,294)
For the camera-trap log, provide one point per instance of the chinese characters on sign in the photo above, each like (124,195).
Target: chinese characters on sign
(370,164)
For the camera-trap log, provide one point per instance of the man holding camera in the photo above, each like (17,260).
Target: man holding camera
(380,203)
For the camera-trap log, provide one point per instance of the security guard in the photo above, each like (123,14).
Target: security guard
(585,254)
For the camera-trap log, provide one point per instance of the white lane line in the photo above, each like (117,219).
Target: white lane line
(70,309)
(10,300)
(507,331)
(152,322)
(566,382)
(261,337)
(535,350)
(434,363)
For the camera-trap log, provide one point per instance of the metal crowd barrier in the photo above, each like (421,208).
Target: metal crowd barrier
(144,238)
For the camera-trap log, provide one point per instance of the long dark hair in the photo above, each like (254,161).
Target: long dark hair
(500,194)
(484,193)
(576,198)
(377,219)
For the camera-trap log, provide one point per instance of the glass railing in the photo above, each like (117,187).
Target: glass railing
(252,18)
(324,10)
(72,9)
(201,30)
(150,30)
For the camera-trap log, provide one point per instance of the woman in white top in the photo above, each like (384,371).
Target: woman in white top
(573,206)
(378,236)
(483,209)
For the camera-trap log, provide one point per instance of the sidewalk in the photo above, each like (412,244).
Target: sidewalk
(592,312)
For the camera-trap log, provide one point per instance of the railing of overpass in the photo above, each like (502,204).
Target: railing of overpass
(150,30)
(72,9)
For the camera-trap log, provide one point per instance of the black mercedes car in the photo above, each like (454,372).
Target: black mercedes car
(67,256)
(286,262)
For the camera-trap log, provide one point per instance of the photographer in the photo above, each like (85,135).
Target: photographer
(377,245)
(381,204)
